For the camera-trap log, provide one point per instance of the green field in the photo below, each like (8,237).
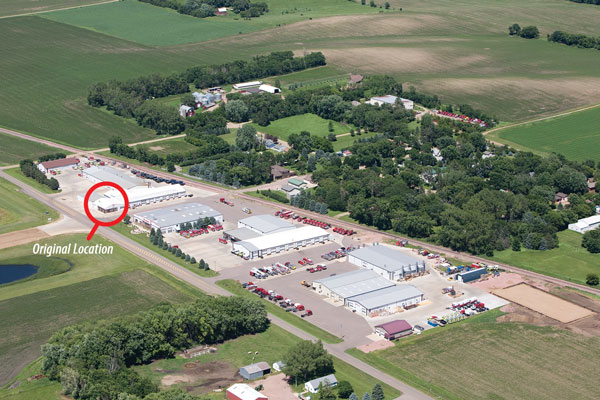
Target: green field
(92,289)
(344,142)
(17,174)
(483,359)
(233,287)
(271,345)
(157,26)
(15,149)
(144,241)
(576,136)
(317,126)
(16,7)
(164,147)
(19,211)
(310,77)
(569,261)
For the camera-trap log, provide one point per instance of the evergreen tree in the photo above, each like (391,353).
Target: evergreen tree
(193,260)
(353,396)
(187,258)
(377,393)
(178,252)
(366,396)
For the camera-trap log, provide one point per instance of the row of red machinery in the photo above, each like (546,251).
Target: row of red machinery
(200,231)
(463,118)
(342,231)
(285,303)
(309,221)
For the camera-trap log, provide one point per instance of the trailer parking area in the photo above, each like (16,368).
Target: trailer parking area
(544,303)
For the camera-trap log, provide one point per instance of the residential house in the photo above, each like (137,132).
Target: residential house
(279,172)
(561,198)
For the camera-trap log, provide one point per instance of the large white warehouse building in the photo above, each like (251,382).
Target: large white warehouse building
(138,196)
(265,224)
(343,286)
(279,241)
(170,219)
(386,262)
(386,300)
(586,224)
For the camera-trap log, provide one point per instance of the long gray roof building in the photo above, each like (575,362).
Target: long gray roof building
(173,216)
(265,224)
(387,296)
(354,283)
(387,262)
(108,174)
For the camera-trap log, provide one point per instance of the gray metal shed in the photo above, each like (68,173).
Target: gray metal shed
(255,371)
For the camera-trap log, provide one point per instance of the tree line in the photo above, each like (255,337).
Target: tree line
(92,360)
(528,32)
(53,156)
(208,8)
(29,169)
(575,39)
(129,98)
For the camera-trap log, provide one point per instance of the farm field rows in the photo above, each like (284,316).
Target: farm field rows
(576,136)
(546,362)
(19,211)
(15,149)
(16,7)
(317,126)
(569,261)
(92,289)
(156,26)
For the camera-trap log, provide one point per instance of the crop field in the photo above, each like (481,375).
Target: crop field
(157,26)
(308,76)
(19,211)
(546,362)
(16,7)
(15,149)
(317,126)
(271,345)
(569,261)
(576,135)
(92,289)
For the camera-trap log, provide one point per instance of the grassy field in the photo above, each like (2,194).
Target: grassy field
(162,148)
(16,7)
(16,173)
(310,76)
(569,261)
(483,359)
(156,26)
(271,345)
(15,149)
(317,126)
(92,289)
(576,136)
(19,211)
(143,240)
(344,142)
(233,287)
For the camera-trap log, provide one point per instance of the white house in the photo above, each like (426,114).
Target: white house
(313,386)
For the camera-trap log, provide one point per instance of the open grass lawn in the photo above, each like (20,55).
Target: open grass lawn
(15,149)
(19,211)
(317,126)
(233,287)
(569,261)
(157,26)
(164,147)
(271,345)
(484,359)
(144,241)
(16,173)
(94,287)
(16,7)
(576,136)
(344,142)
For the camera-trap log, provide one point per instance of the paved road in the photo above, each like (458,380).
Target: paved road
(193,279)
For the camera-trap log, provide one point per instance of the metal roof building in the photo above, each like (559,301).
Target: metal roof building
(60,163)
(241,234)
(108,174)
(241,391)
(386,262)
(394,329)
(170,219)
(385,300)
(586,224)
(264,224)
(471,275)
(353,283)
(138,196)
(313,386)
(254,371)
(280,240)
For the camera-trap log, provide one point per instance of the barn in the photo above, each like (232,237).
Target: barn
(241,391)
(394,329)
(255,371)
(269,89)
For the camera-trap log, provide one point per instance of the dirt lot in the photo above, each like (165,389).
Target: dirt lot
(544,303)
(21,237)
(501,281)
(202,378)
(276,387)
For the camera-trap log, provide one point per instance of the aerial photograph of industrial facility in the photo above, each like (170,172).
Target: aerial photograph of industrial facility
(309,199)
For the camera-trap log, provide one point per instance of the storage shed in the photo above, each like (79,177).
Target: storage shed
(313,386)
(471,275)
(269,89)
(241,391)
(394,329)
(255,371)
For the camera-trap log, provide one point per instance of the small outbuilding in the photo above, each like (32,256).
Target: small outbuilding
(326,381)
(269,89)
(471,275)
(255,371)
(241,391)
(278,366)
(394,329)
(221,11)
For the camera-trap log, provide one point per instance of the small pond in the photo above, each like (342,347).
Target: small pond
(11,273)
